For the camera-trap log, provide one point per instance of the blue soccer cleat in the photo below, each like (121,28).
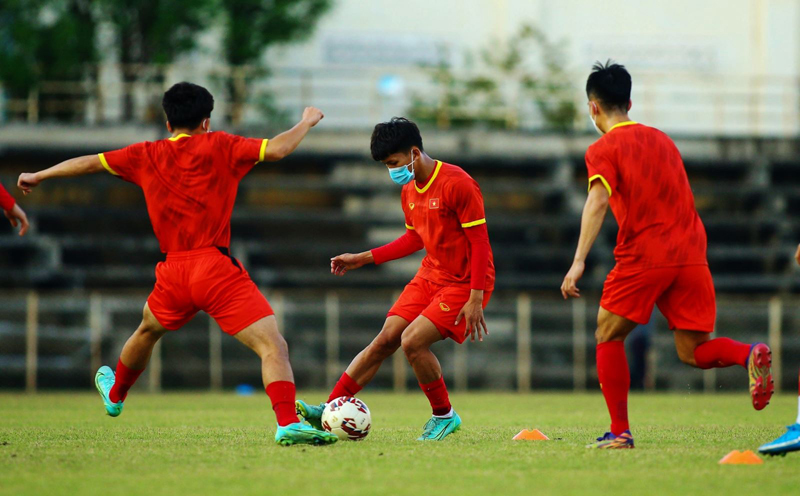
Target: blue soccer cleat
(438,428)
(104,380)
(790,441)
(300,433)
(613,441)
(311,413)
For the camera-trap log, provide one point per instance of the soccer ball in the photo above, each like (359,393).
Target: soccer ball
(348,418)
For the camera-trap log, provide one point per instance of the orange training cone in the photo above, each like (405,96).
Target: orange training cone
(737,457)
(534,435)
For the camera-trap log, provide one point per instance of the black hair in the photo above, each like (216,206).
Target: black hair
(397,135)
(187,104)
(610,83)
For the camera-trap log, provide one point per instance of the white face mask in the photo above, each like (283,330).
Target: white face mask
(594,123)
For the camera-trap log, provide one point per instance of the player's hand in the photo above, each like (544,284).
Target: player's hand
(27,181)
(569,286)
(17,217)
(472,313)
(340,264)
(312,116)
(797,255)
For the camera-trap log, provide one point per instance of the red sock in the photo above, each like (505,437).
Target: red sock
(436,392)
(721,352)
(124,378)
(282,395)
(345,387)
(615,381)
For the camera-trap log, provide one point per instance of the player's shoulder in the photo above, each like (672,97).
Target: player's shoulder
(454,173)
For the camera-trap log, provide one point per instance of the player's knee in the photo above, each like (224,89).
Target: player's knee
(383,347)
(604,334)
(686,355)
(273,346)
(411,345)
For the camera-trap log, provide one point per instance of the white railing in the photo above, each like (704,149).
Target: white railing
(359,96)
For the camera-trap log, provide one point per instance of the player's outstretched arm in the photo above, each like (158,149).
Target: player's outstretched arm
(285,143)
(797,255)
(591,221)
(79,166)
(405,245)
(340,264)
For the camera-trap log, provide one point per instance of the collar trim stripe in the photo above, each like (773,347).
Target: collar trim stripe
(622,124)
(431,180)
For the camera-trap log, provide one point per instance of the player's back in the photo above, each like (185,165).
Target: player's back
(650,196)
(189,184)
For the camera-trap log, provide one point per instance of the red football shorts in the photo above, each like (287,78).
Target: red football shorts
(205,279)
(439,304)
(684,295)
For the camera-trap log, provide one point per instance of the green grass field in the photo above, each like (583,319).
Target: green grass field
(223,444)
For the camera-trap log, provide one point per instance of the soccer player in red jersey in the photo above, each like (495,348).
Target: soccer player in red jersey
(190,182)
(15,215)
(660,253)
(444,214)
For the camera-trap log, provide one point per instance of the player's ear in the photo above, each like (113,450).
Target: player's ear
(169,127)
(630,104)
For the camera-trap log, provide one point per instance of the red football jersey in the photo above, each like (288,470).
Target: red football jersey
(450,202)
(189,184)
(650,196)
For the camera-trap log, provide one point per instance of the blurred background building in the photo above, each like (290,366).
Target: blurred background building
(497,89)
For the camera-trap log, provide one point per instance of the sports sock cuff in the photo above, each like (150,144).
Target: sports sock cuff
(345,386)
(282,395)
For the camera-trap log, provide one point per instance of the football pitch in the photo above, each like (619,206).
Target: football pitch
(223,444)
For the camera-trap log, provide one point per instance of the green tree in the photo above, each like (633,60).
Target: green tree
(251,27)
(48,41)
(154,32)
(526,68)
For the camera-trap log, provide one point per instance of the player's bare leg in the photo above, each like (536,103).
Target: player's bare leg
(361,370)
(263,338)
(112,385)
(366,364)
(699,350)
(417,341)
(614,376)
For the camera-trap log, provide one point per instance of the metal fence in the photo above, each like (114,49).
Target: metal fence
(537,341)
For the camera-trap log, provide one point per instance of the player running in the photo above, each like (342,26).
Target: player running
(660,253)
(15,215)
(190,182)
(444,214)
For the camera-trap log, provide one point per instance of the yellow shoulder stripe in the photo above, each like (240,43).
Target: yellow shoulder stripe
(105,164)
(409,227)
(601,178)
(474,223)
(263,153)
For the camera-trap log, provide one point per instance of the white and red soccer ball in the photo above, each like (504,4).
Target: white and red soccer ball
(348,418)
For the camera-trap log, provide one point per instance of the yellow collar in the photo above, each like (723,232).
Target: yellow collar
(621,124)
(431,179)
(183,135)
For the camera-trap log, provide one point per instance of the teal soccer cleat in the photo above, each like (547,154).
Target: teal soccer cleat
(311,413)
(300,433)
(438,428)
(784,444)
(104,381)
